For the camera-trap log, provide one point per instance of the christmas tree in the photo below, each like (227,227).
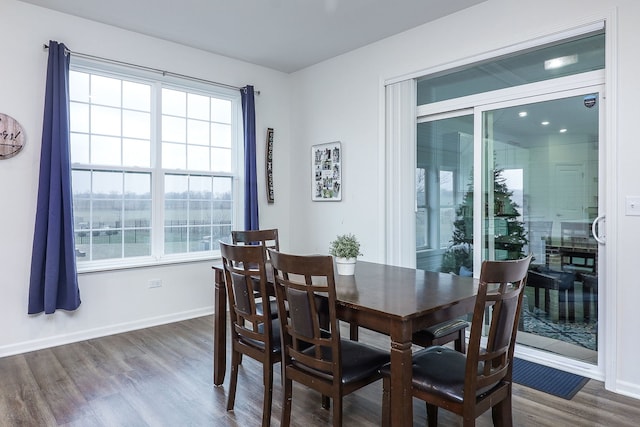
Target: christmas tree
(510,235)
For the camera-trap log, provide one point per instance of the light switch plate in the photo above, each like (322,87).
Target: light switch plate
(632,205)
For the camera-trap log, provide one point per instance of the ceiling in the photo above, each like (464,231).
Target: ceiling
(285,35)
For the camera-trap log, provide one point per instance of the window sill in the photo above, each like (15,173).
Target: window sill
(144,262)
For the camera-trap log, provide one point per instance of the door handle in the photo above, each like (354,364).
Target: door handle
(595,229)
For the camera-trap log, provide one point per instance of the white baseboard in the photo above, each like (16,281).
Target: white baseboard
(54,341)
(627,389)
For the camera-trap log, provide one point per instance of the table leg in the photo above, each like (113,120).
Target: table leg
(353,332)
(401,376)
(219,328)
(571,303)
(586,302)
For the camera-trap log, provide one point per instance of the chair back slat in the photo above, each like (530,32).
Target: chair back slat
(267,238)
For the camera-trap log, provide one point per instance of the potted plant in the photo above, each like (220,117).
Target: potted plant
(345,249)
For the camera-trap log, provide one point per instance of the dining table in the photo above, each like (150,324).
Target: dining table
(392,300)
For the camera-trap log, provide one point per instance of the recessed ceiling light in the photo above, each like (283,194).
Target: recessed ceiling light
(522,114)
(545,123)
(563,130)
(562,61)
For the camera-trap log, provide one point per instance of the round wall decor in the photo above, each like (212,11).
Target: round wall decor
(12,137)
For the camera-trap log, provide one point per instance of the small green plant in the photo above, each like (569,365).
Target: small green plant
(345,246)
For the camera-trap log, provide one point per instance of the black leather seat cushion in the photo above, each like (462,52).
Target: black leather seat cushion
(359,360)
(439,370)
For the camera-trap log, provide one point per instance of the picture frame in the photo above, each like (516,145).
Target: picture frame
(326,172)
(269,166)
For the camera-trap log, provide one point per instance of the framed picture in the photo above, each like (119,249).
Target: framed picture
(326,172)
(269,166)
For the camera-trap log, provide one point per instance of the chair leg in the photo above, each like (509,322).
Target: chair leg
(268,393)
(337,411)
(233,380)
(386,402)
(501,412)
(469,422)
(286,403)
(460,344)
(326,402)
(432,415)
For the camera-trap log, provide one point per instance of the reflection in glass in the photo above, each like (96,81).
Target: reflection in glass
(443,178)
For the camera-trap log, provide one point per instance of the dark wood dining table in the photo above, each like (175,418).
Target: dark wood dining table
(395,301)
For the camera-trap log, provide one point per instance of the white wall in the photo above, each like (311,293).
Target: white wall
(118,300)
(342,99)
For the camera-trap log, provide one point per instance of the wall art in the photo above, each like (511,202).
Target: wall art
(269,166)
(326,172)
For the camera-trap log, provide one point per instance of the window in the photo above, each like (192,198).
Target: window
(565,58)
(155,164)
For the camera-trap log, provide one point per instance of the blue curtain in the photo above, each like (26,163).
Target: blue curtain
(250,174)
(54,281)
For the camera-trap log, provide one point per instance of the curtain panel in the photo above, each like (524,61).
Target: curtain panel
(250,172)
(54,281)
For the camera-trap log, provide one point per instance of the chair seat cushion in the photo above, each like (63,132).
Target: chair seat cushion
(359,361)
(438,370)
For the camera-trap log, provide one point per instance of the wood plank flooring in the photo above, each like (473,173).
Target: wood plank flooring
(162,376)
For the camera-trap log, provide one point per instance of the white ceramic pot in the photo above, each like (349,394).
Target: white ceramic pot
(345,266)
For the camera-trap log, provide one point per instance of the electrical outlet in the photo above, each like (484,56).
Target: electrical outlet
(155,283)
(632,205)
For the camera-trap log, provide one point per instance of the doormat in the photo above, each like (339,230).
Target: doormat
(549,380)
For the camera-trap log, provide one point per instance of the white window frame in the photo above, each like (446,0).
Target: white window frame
(158,82)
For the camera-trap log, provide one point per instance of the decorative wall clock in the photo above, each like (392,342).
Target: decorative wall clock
(12,137)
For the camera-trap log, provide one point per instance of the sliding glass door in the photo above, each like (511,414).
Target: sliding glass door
(540,188)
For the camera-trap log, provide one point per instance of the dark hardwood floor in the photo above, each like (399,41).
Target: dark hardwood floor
(162,376)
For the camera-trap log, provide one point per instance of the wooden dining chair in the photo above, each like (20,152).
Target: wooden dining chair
(313,352)
(267,238)
(470,384)
(254,331)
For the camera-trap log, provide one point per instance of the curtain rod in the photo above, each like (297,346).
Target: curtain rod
(151,69)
